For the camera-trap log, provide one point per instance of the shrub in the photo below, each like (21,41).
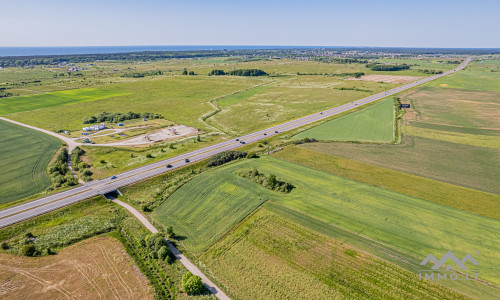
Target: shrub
(270,182)
(251,155)
(149,155)
(28,250)
(87,173)
(5,246)
(224,157)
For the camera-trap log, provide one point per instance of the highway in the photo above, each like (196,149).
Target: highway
(43,205)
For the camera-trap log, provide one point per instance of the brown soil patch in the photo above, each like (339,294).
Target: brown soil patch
(388,78)
(97,268)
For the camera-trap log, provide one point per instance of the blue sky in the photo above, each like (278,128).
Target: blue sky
(423,23)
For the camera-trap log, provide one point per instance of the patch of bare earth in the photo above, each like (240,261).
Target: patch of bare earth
(388,78)
(97,268)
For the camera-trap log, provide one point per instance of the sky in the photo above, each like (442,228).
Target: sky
(377,23)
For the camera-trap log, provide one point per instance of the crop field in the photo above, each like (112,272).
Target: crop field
(359,208)
(372,124)
(53,99)
(208,206)
(298,263)
(458,164)
(474,201)
(25,155)
(92,269)
(479,140)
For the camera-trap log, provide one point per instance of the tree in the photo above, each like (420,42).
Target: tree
(271,181)
(170,232)
(194,285)
(184,72)
(198,138)
(191,73)
(191,284)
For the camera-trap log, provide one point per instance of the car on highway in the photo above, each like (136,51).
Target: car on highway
(169,166)
(237,140)
(265,133)
(242,142)
(186,160)
(276,131)
(113,177)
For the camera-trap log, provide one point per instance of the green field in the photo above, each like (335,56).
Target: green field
(25,155)
(200,210)
(474,201)
(208,206)
(458,164)
(53,99)
(179,99)
(235,98)
(372,124)
(287,261)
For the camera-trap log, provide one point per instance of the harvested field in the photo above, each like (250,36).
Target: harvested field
(388,78)
(98,268)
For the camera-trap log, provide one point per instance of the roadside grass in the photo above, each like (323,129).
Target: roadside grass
(54,99)
(372,124)
(415,226)
(63,227)
(457,164)
(476,77)
(477,140)
(466,199)
(295,262)
(106,161)
(25,155)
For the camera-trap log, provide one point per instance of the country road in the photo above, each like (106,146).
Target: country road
(43,205)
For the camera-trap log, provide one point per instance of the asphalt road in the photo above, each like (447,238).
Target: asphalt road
(43,205)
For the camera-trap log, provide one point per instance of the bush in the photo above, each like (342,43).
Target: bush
(149,155)
(270,182)
(251,155)
(87,173)
(192,284)
(28,250)
(5,246)
(224,157)
(170,232)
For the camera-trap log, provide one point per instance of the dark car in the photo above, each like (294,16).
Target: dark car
(276,131)
(242,142)
(169,166)
(265,133)
(186,160)
(113,177)
(237,139)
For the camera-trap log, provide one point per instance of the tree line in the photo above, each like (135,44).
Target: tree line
(118,117)
(380,67)
(240,72)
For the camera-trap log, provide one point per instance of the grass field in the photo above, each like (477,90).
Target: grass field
(443,193)
(233,99)
(180,99)
(54,99)
(208,206)
(372,124)
(458,164)
(25,154)
(92,269)
(287,261)
(363,209)
(454,107)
